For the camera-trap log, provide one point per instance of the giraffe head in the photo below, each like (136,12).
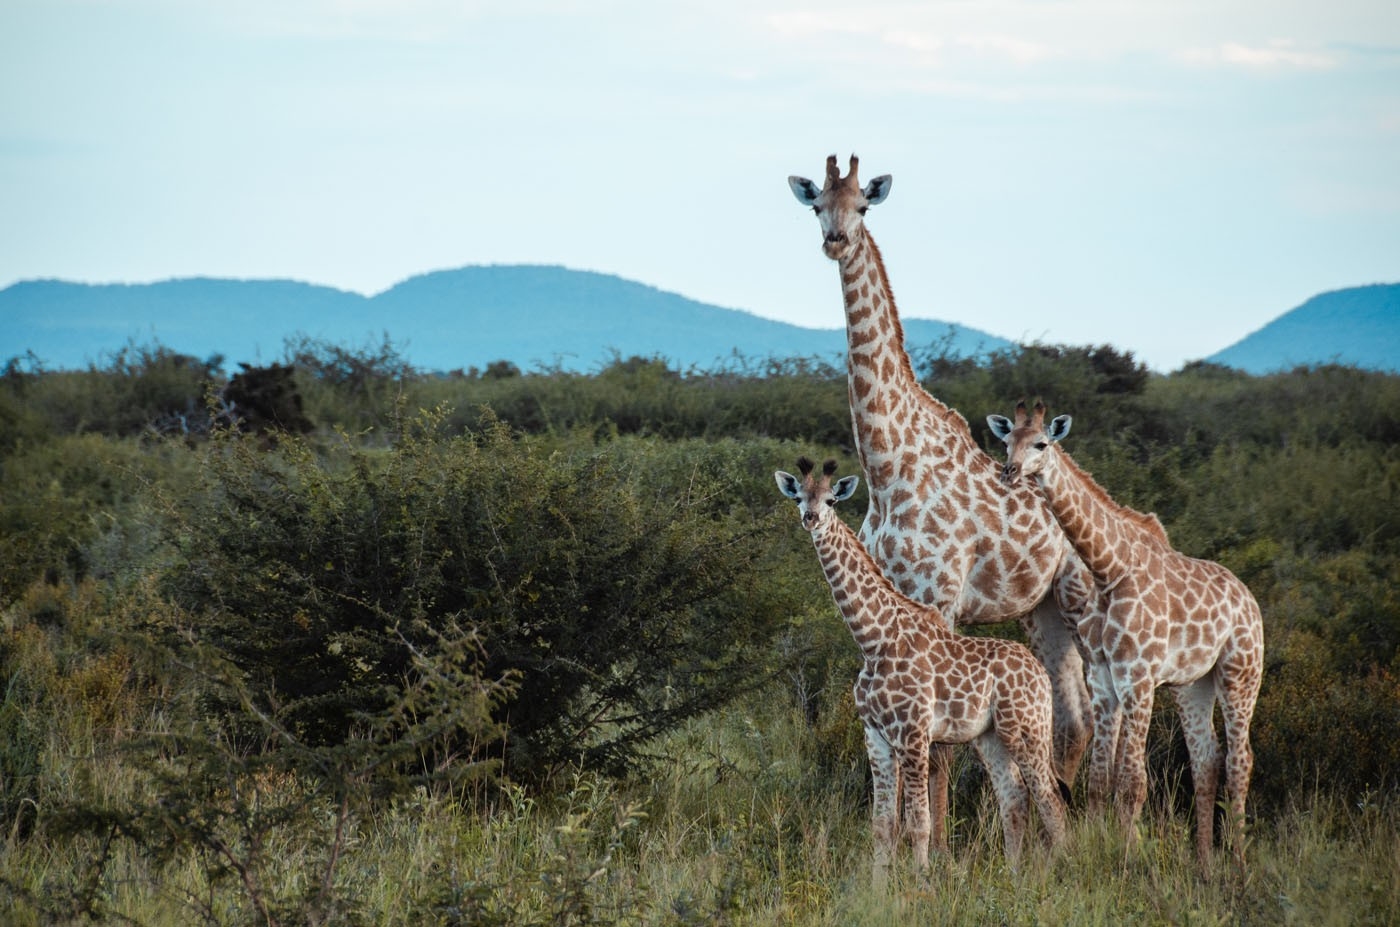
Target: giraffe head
(816,498)
(1027,440)
(840,204)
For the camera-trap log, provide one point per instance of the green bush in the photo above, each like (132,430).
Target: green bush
(356,389)
(301,561)
(138,389)
(797,399)
(73,506)
(1314,729)
(622,595)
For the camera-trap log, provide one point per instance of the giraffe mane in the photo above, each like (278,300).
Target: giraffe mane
(923,397)
(1146,521)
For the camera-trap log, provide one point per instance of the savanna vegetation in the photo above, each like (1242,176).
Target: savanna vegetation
(336,641)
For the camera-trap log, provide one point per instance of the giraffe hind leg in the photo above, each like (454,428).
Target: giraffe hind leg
(940,763)
(1239,690)
(1013,799)
(1053,643)
(1032,756)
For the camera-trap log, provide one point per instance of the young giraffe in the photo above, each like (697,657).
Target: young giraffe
(1170,620)
(939,523)
(922,685)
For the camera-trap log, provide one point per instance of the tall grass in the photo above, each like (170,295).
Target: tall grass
(733,824)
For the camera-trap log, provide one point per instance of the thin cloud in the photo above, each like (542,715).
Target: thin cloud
(918,42)
(1279,54)
(804,23)
(1020,51)
(998,47)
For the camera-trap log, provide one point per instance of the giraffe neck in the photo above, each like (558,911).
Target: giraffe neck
(1102,531)
(867,602)
(888,404)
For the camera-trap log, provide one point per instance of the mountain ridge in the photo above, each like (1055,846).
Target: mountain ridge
(535,316)
(1357,325)
(545,316)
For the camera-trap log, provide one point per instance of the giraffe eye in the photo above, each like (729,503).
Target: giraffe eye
(1041,445)
(862,210)
(817,210)
(831,502)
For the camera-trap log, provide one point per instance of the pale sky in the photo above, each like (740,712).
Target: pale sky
(1165,177)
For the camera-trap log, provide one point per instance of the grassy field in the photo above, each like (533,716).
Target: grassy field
(736,824)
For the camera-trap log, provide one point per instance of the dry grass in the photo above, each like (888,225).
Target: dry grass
(730,828)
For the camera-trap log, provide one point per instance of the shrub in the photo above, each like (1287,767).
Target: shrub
(623,602)
(60,498)
(354,388)
(1313,727)
(798,399)
(139,388)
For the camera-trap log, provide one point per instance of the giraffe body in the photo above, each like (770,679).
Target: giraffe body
(1170,620)
(922,685)
(939,524)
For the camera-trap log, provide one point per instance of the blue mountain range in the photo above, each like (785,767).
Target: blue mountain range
(544,317)
(532,316)
(1359,326)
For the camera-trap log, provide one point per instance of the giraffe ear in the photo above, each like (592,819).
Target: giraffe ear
(878,189)
(787,484)
(846,487)
(805,191)
(1001,426)
(1059,427)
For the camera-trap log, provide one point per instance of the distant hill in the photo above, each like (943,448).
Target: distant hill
(532,316)
(1358,326)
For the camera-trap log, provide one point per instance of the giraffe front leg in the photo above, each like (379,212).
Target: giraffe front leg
(914,767)
(1103,758)
(1131,781)
(884,775)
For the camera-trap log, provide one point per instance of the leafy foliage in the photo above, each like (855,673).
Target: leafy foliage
(232,656)
(621,601)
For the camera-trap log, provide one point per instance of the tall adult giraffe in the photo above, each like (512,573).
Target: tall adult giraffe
(939,523)
(1170,620)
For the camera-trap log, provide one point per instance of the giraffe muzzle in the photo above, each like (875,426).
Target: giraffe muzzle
(834,244)
(1010,473)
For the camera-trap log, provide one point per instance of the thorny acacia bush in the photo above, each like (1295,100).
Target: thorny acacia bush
(617,585)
